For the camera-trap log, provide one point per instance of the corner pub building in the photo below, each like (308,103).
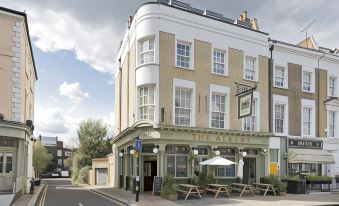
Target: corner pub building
(178,72)
(175,89)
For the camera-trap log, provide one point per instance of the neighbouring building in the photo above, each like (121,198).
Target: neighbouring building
(175,90)
(102,172)
(17,92)
(178,70)
(305,107)
(59,153)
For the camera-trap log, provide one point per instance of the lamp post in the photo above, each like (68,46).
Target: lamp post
(138,148)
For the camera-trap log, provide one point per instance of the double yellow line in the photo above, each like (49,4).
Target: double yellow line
(43,197)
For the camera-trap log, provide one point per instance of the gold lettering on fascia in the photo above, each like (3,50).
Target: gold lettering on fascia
(220,138)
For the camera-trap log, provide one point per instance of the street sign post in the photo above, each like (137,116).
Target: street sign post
(138,148)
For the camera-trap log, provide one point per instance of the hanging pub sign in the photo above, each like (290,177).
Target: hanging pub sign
(245,100)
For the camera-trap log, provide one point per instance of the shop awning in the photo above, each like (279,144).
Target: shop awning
(310,156)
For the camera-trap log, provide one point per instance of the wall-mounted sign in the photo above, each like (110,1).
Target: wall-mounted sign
(307,144)
(245,104)
(220,138)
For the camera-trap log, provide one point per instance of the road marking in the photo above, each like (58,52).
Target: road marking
(43,198)
(107,198)
(80,204)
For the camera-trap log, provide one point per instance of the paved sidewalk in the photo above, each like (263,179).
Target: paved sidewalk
(25,199)
(146,199)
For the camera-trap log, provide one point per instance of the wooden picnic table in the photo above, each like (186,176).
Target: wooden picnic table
(264,187)
(187,190)
(242,188)
(217,188)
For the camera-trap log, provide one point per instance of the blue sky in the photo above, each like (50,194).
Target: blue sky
(75,44)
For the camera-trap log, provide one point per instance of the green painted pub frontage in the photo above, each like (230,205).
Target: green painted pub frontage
(177,151)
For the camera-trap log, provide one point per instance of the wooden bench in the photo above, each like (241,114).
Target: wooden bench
(217,189)
(187,190)
(242,188)
(265,188)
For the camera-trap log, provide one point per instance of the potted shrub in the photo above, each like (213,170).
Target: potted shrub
(169,188)
(282,189)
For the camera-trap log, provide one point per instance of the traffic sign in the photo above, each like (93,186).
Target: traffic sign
(138,145)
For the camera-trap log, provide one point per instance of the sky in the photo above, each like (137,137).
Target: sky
(75,43)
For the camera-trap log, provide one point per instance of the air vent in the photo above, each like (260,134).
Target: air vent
(213,14)
(243,23)
(180,4)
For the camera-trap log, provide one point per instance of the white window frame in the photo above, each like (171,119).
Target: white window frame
(256,69)
(186,85)
(307,103)
(329,123)
(281,100)
(334,87)
(140,41)
(225,61)
(191,54)
(285,81)
(139,106)
(256,98)
(218,89)
(312,79)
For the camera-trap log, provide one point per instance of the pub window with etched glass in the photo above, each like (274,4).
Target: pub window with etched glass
(226,171)
(183,106)
(331,123)
(307,81)
(183,55)
(146,51)
(176,160)
(250,68)
(331,86)
(279,118)
(146,102)
(218,110)
(307,113)
(279,79)
(219,62)
(249,123)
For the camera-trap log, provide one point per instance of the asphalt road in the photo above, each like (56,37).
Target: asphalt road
(60,192)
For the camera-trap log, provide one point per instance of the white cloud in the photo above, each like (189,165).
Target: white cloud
(73,92)
(50,120)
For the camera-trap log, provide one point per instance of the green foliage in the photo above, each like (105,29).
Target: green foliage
(68,162)
(291,177)
(83,175)
(203,179)
(271,179)
(41,157)
(79,161)
(169,186)
(92,138)
(318,178)
(282,187)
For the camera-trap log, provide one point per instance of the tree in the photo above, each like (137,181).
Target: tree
(68,162)
(93,140)
(41,157)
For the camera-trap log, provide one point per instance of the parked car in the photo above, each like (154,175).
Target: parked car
(56,174)
(46,175)
(65,173)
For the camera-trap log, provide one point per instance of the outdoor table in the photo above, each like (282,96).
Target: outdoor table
(264,187)
(242,188)
(217,188)
(188,190)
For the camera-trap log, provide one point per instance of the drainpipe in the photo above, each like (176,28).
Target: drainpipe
(319,102)
(270,88)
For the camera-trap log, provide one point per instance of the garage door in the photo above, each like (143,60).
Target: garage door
(101,176)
